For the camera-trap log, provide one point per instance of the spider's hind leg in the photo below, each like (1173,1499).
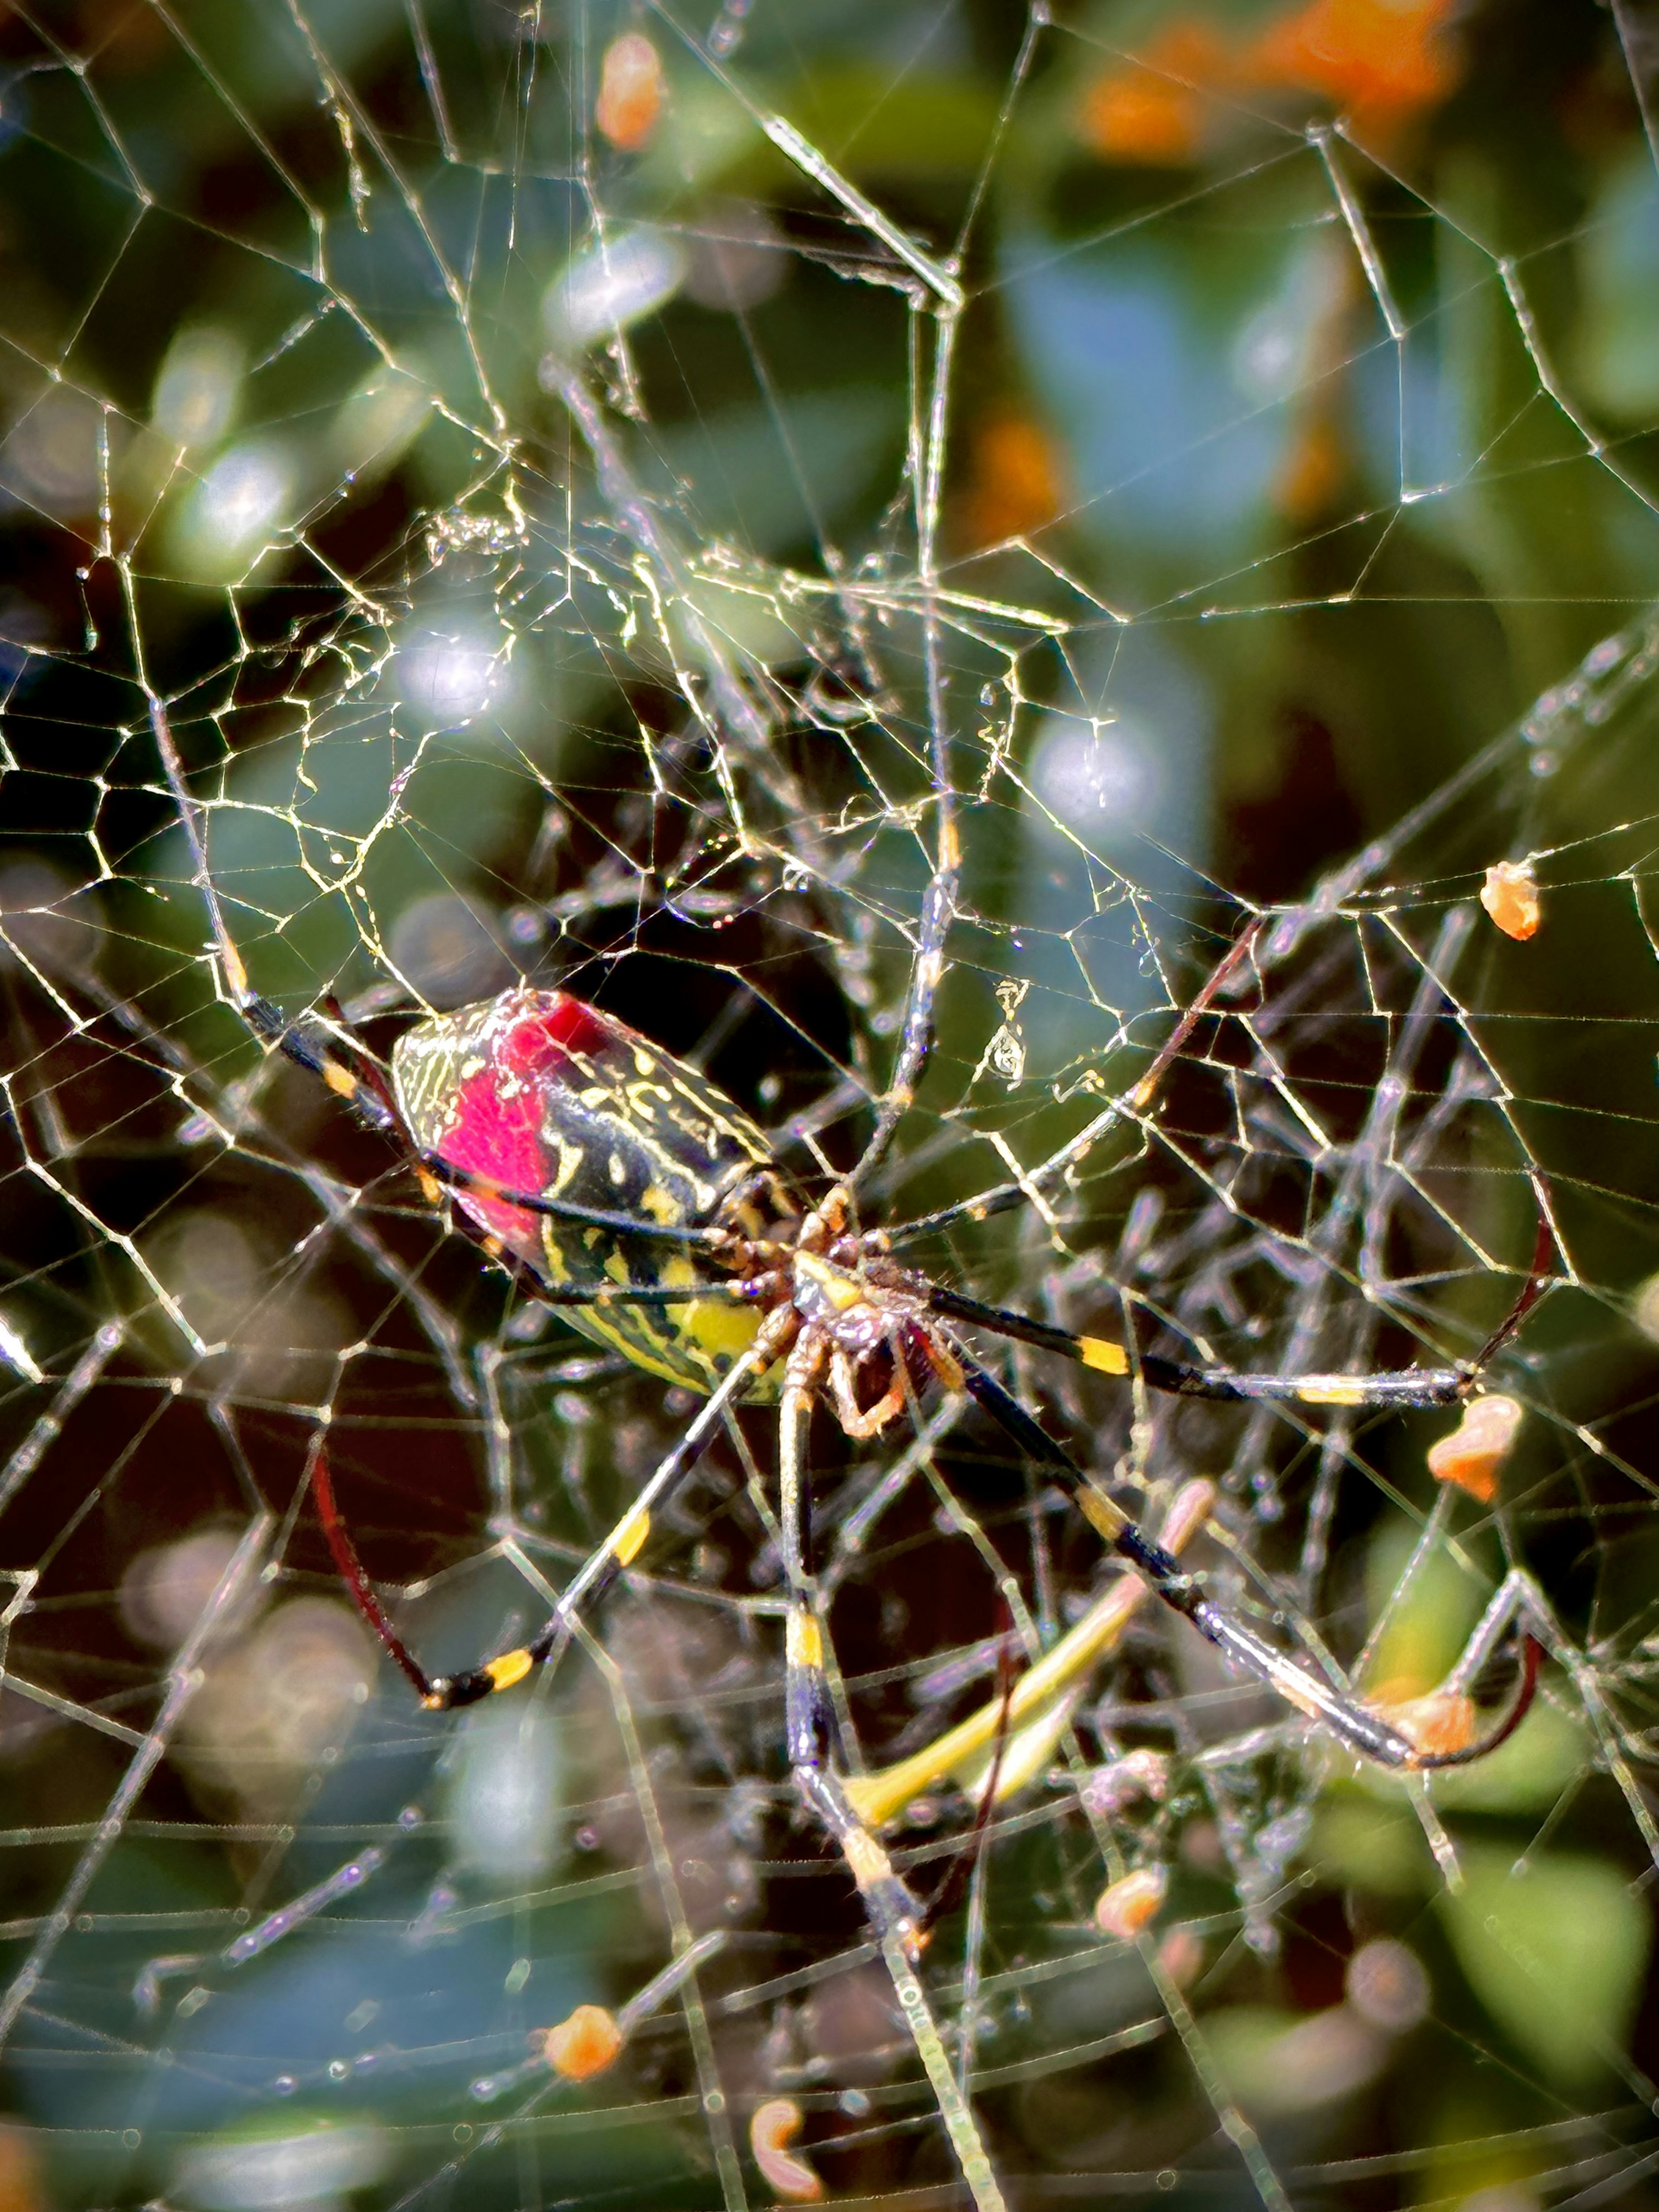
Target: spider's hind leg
(446,1693)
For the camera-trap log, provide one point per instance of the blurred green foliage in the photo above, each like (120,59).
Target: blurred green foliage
(1300,443)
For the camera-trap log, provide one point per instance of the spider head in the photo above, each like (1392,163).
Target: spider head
(856,1317)
(881,1345)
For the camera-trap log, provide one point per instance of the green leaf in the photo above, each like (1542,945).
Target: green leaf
(1370,1846)
(1556,1953)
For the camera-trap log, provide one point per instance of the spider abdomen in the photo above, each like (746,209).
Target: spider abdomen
(540,1092)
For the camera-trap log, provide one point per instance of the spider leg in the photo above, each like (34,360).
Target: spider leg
(895,1915)
(351,1571)
(444,1692)
(309,1043)
(745,1292)
(916,1041)
(1446,1717)
(330,1050)
(1394,1386)
(1002,1200)
(897,1918)
(858,1423)
(530,1201)
(1039,1703)
(1410,1740)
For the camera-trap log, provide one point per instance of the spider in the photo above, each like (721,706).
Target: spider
(622,1187)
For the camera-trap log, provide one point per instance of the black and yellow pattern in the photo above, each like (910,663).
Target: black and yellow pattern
(537,1092)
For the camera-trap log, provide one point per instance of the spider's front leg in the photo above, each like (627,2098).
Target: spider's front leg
(893,1912)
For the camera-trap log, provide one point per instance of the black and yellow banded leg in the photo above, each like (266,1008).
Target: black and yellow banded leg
(893,1912)
(1392,1388)
(626,1540)
(897,1920)
(938,907)
(444,1692)
(1407,1741)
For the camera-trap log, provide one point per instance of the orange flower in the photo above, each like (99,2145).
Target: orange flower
(1384,60)
(1124,1909)
(1471,1455)
(1152,109)
(1132,117)
(583,2045)
(1015,482)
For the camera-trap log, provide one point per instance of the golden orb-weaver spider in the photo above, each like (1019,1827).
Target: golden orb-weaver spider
(622,1187)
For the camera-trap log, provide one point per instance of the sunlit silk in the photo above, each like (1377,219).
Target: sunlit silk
(617,281)
(449,678)
(243,503)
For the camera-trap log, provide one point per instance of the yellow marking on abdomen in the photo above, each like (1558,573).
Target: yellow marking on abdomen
(511,1667)
(660,1206)
(687,1357)
(555,1266)
(718,1326)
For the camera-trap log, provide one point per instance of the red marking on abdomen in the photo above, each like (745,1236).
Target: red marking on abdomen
(495,1120)
(574,1026)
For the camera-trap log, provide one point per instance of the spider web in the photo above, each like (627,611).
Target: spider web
(559,479)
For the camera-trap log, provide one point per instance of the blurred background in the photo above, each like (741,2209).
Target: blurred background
(571,480)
